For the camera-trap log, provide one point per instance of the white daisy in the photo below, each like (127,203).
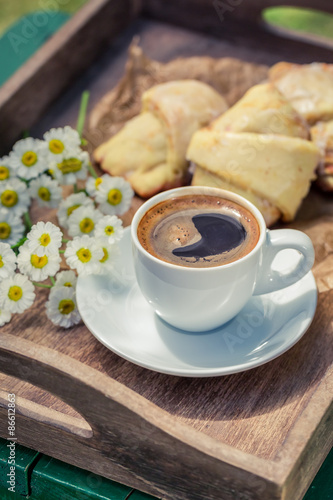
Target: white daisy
(11,227)
(61,141)
(65,278)
(7,261)
(16,293)
(14,196)
(83,254)
(28,158)
(61,307)
(71,203)
(110,252)
(110,228)
(5,317)
(92,184)
(37,268)
(114,195)
(83,221)
(71,168)
(44,238)
(46,191)
(6,170)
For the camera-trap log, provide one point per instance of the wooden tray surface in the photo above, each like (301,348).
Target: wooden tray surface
(262,433)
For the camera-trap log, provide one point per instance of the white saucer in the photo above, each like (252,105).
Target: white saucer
(115,311)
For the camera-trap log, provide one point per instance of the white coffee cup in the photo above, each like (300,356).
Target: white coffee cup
(199,299)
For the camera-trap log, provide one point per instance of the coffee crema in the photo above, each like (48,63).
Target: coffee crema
(198,231)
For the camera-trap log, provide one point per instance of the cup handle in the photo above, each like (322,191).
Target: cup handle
(277,240)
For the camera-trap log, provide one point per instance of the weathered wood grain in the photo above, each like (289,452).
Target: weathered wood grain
(279,412)
(28,93)
(240,22)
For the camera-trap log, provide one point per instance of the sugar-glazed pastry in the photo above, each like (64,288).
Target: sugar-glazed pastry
(258,149)
(263,110)
(308,87)
(150,150)
(322,136)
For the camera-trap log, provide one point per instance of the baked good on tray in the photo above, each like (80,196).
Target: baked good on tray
(264,110)
(308,87)
(259,149)
(322,136)
(150,150)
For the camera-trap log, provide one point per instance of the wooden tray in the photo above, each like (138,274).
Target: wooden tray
(260,434)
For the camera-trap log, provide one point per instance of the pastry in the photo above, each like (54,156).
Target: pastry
(263,110)
(308,87)
(150,150)
(322,136)
(258,149)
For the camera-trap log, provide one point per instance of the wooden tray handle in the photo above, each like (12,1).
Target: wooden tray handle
(132,440)
(89,392)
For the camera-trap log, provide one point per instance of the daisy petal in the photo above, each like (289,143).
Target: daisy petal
(16,293)
(38,268)
(61,307)
(28,158)
(114,196)
(71,203)
(83,254)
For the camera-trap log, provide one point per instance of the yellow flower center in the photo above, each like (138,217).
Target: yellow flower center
(4,173)
(9,198)
(114,196)
(84,255)
(105,256)
(98,182)
(68,284)
(29,158)
(45,239)
(86,225)
(71,209)
(66,306)
(15,293)
(44,193)
(38,262)
(70,166)
(109,230)
(56,146)
(1,261)
(5,230)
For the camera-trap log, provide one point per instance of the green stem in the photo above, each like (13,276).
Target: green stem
(82,112)
(92,171)
(42,285)
(52,280)
(76,189)
(19,243)
(62,251)
(24,180)
(64,240)
(27,220)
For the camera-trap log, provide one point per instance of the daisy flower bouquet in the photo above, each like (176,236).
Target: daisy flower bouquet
(31,255)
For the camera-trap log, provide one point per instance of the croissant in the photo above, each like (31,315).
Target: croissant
(322,136)
(150,150)
(308,87)
(263,110)
(258,149)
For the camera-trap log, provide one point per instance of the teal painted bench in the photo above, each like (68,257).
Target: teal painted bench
(39,477)
(23,38)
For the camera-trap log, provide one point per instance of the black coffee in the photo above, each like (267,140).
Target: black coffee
(198,231)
